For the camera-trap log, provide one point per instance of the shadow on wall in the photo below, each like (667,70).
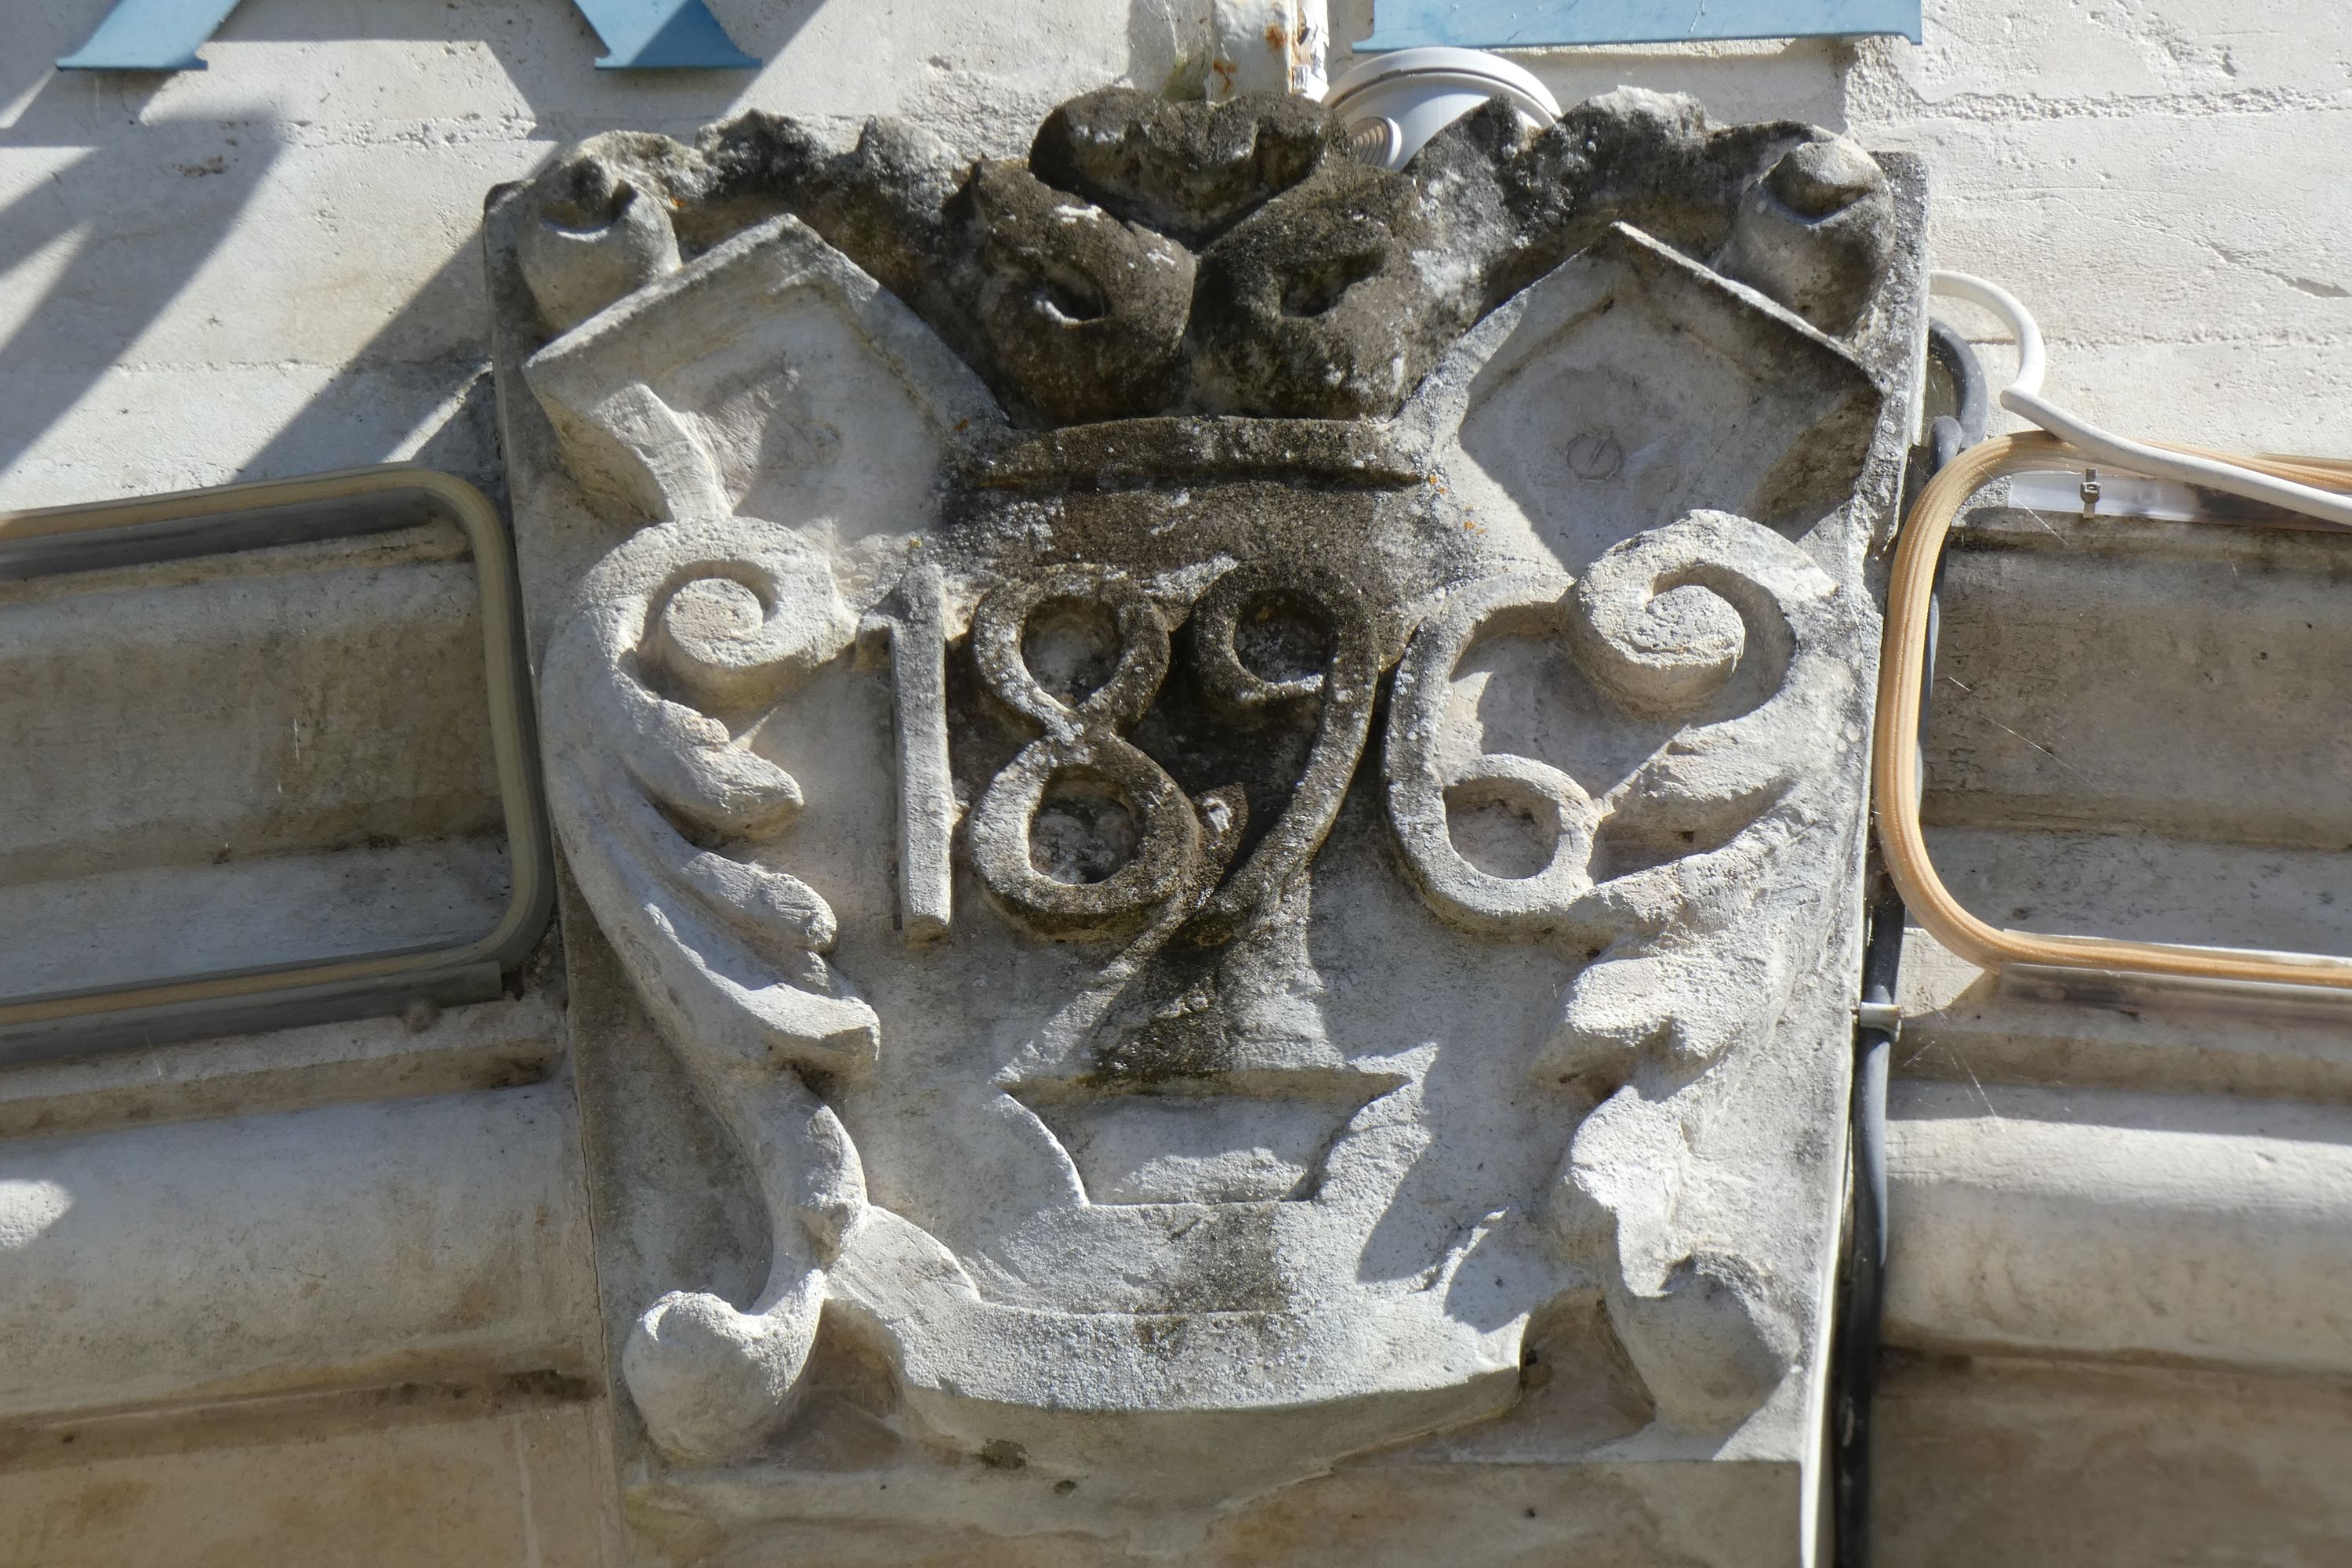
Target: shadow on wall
(271,268)
(117,189)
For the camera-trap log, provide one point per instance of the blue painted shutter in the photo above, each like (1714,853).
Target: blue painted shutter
(1532,24)
(163,36)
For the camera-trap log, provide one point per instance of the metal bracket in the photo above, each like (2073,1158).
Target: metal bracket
(1884,1016)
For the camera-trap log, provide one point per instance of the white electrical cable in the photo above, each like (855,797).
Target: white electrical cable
(2023,396)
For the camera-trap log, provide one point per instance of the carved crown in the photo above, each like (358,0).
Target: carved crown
(1153,258)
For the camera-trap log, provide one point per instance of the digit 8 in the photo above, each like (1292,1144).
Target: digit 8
(1080,742)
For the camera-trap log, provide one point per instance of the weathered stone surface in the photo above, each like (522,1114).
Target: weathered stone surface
(207,772)
(1323,287)
(411,1476)
(241,1257)
(1299,910)
(1189,170)
(2113,1224)
(2029,1460)
(2119,1216)
(269,267)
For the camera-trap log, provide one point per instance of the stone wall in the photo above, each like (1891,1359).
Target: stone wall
(2089,1258)
(283,241)
(2156,179)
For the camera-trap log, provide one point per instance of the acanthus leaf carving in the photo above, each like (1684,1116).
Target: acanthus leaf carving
(734,949)
(1690,964)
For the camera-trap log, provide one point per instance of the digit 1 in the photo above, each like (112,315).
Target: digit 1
(927,803)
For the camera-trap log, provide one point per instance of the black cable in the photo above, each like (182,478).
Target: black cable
(1972,394)
(1854,1362)
(1854,1369)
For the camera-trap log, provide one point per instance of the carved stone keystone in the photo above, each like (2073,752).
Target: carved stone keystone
(1214,800)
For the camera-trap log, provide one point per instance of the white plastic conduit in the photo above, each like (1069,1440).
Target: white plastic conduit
(2023,397)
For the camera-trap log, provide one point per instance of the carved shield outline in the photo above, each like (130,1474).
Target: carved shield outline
(692,924)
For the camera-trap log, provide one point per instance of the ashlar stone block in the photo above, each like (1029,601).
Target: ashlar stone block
(1215,803)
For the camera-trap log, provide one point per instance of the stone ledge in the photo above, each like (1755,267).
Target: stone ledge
(430,1240)
(495,1044)
(2102,1224)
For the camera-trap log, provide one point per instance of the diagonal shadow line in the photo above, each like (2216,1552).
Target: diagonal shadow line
(689,33)
(319,434)
(549,58)
(137,270)
(22,236)
(323,433)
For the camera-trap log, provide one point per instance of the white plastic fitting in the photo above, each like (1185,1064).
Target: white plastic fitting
(1393,103)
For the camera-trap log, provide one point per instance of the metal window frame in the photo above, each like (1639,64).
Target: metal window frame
(1895,767)
(224,519)
(1546,24)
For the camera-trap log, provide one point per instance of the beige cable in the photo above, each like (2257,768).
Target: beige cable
(1895,767)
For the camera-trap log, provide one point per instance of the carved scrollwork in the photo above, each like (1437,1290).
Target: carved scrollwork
(1725,629)
(1133,666)
(1715,621)
(728,615)
(1073,285)
(1714,626)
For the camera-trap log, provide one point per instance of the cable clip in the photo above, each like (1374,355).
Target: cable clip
(1884,1016)
(2090,493)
